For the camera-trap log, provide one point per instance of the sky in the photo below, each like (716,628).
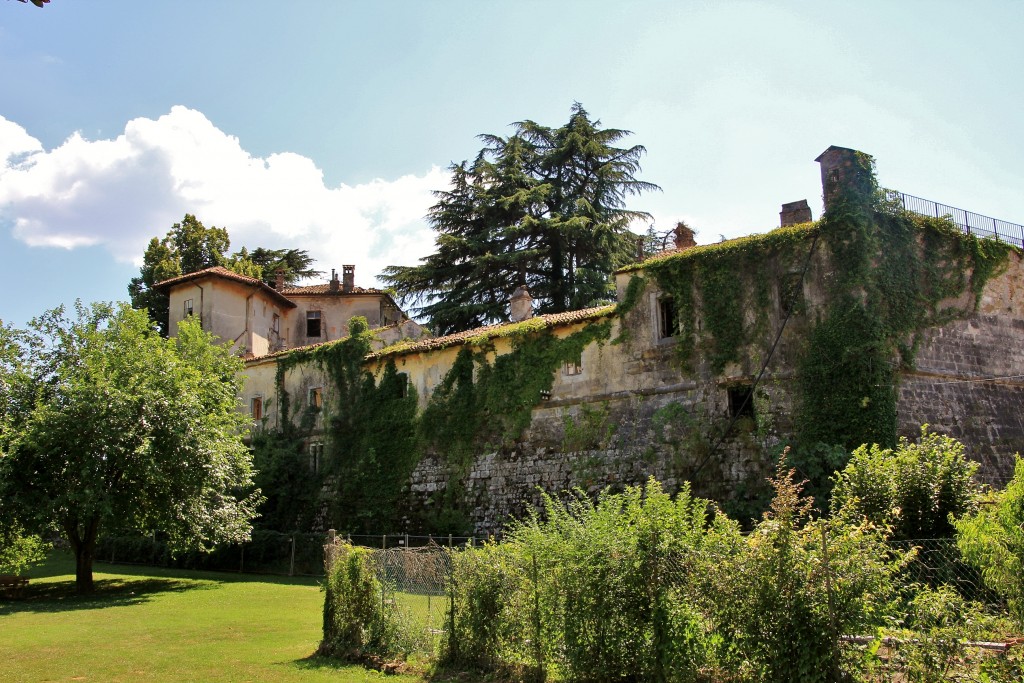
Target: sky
(326,126)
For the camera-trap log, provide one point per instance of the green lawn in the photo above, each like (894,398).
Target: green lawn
(151,624)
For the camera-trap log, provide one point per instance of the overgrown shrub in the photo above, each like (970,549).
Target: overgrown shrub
(359,620)
(992,539)
(19,550)
(915,489)
(781,599)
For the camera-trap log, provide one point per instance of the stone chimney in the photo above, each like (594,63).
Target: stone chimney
(335,285)
(843,168)
(348,278)
(684,236)
(522,305)
(795,212)
(279,280)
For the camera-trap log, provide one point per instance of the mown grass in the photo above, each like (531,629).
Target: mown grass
(152,624)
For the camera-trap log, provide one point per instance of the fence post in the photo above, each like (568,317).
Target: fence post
(384,542)
(291,566)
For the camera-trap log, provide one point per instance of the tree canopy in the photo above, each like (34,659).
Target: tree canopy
(109,427)
(544,207)
(190,246)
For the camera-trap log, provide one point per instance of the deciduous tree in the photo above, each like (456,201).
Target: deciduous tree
(112,428)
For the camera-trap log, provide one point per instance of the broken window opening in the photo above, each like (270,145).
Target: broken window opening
(313,323)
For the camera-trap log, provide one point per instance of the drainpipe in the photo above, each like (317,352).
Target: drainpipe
(249,347)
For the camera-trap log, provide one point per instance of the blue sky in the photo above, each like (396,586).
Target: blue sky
(326,125)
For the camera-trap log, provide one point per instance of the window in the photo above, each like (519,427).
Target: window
(573,366)
(312,323)
(316,456)
(668,319)
(275,325)
(188,307)
(741,401)
(316,397)
(256,407)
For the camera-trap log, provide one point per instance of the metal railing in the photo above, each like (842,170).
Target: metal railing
(968,221)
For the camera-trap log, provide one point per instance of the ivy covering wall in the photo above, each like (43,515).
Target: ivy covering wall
(880,276)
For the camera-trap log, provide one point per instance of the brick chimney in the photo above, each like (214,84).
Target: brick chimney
(522,305)
(335,285)
(279,280)
(348,278)
(795,212)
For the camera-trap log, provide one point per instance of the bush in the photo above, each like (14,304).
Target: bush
(359,620)
(992,539)
(780,599)
(915,489)
(19,550)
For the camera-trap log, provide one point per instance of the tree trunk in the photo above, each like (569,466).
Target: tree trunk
(84,546)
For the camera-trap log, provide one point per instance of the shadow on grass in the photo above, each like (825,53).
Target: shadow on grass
(60,596)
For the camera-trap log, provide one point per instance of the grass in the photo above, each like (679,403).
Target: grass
(152,624)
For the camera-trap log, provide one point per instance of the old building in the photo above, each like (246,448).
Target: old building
(861,326)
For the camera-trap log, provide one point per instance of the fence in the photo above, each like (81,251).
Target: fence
(418,579)
(968,221)
(269,552)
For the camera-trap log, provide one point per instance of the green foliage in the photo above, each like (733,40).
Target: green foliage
(589,429)
(489,402)
(782,597)
(544,207)
(126,431)
(916,489)
(19,550)
(283,473)
(729,279)
(358,620)
(992,539)
(895,275)
(293,264)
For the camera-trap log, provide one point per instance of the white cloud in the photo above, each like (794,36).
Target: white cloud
(119,193)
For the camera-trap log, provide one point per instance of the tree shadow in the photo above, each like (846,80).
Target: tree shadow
(60,596)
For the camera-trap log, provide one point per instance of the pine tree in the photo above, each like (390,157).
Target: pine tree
(543,207)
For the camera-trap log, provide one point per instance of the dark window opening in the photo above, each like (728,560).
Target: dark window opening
(313,324)
(316,397)
(741,401)
(668,318)
(188,307)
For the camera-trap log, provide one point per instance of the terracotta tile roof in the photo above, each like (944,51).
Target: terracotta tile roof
(221,271)
(326,289)
(283,352)
(539,322)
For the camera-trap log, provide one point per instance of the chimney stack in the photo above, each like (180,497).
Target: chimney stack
(335,285)
(795,212)
(279,280)
(348,278)
(684,236)
(522,305)
(843,168)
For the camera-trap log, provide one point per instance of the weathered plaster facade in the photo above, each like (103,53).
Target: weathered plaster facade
(631,408)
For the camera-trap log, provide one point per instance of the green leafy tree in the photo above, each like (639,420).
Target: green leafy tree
(915,489)
(123,431)
(544,207)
